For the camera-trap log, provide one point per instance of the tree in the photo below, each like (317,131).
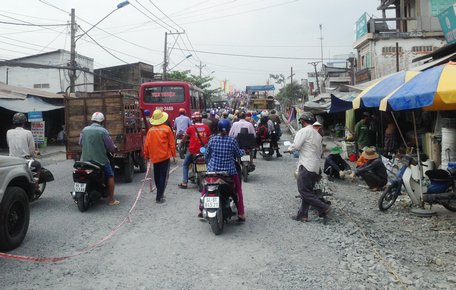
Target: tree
(278,79)
(291,93)
(203,82)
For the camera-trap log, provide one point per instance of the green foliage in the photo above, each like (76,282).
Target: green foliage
(291,93)
(278,79)
(203,82)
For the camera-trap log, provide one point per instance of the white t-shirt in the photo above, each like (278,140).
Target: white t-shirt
(308,142)
(20,142)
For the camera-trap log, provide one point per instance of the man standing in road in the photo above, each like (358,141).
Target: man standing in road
(96,143)
(159,147)
(308,142)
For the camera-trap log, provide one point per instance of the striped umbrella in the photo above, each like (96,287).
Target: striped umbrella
(433,89)
(371,96)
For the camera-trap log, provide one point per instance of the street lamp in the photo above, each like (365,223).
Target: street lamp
(74,39)
(188,56)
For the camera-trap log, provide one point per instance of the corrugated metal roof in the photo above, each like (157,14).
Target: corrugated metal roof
(13,92)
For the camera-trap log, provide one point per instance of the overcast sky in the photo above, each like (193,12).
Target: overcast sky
(270,28)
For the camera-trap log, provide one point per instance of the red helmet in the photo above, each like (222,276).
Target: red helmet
(197,116)
(182,111)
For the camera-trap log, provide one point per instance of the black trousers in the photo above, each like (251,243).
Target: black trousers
(161,172)
(373,180)
(306,182)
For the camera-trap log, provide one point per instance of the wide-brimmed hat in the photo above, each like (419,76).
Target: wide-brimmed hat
(336,150)
(158,117)
(370,153)
(316,124)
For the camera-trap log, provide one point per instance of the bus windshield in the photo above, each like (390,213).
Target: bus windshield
(164,94)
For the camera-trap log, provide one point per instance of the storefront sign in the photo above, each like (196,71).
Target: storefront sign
(35,116)
(37,129)
(447,21)
(361,26)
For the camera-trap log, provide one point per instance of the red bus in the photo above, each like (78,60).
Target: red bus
(169,96)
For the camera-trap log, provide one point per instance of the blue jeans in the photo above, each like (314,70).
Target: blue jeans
(187,161)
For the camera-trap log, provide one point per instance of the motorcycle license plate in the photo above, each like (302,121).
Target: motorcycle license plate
(211,202)
(245,158)
(266,145)
(80,187)
(201,167)
(178,141)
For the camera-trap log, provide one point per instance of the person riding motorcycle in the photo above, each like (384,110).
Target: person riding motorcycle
(181,123)
(96,142)
(222,152)
(21,143)
(198,133)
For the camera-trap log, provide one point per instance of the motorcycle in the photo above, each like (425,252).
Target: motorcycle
(198,170)
(219,201)
(89,184)
(266,150)
(41,176)
(182,148)
(435,189)
(246,163)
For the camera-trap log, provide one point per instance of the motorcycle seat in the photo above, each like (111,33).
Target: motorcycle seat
(439,175)
(87,164)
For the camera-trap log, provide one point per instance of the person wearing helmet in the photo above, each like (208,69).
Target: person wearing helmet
(214,122)
(147,114)
(20,140)
(309,144)
(96,143)
(181,123)
(222,152)
(198,134)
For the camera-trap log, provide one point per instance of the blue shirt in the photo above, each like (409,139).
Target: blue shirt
(181,124)
(222,152)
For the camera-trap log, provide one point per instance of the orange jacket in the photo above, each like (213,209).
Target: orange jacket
(159,145)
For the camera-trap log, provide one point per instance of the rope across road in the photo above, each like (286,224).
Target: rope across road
(98,243)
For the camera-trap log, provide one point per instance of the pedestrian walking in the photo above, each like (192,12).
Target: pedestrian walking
(159,147)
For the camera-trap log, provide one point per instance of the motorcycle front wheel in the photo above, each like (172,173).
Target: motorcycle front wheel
(217,222)
(388,198)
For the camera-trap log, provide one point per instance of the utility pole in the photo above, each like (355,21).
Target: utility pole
(200,67)
(315,63)
(165,57)
(291,75)
(321,43)
(7,72)
(73,52)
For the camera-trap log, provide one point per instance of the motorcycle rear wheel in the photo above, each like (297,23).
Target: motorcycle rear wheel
(83,202)
(451,205)
(217,222)
(388,198)
(245,173)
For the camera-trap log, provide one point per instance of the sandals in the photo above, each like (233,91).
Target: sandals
(114,202)
(182,185)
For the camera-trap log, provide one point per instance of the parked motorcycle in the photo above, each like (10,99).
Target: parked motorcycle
(89,184)
(197,170)
(41,176)
(219,200)
(437,188)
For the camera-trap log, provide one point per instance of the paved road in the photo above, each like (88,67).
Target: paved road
(167,247)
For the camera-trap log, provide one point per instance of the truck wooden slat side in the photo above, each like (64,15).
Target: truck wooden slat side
(123,119)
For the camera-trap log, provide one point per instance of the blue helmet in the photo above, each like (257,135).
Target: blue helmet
(224,125)
(147,113)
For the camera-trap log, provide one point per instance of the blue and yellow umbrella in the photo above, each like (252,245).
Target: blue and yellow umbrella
(371,96)
(433,89)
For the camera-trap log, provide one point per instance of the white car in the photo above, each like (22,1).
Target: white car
(16,190)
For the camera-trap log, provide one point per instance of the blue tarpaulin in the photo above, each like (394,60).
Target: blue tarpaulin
(340,105)
(251,89)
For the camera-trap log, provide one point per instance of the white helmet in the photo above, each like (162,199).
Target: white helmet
(264,113)
(98,117)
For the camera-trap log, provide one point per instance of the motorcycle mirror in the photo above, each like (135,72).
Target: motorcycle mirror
(203,150)
(287,143)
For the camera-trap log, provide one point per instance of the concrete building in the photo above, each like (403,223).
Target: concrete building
(128,76)
(407,29)
(48,72)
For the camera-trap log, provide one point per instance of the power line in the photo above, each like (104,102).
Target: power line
(165,15)
(31,24)
(142,12)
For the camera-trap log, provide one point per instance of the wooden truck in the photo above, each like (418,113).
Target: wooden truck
(123,119)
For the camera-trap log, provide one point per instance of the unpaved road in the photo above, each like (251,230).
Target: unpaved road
(165,246)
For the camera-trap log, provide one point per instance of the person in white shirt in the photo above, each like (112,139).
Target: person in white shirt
(242,123)
(309,144)
(20,141)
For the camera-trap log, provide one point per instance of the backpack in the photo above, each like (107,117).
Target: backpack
(262,131)
(278,131)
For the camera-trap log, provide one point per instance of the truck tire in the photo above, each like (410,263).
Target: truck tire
(142,164)
(129,169)
(14,218)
